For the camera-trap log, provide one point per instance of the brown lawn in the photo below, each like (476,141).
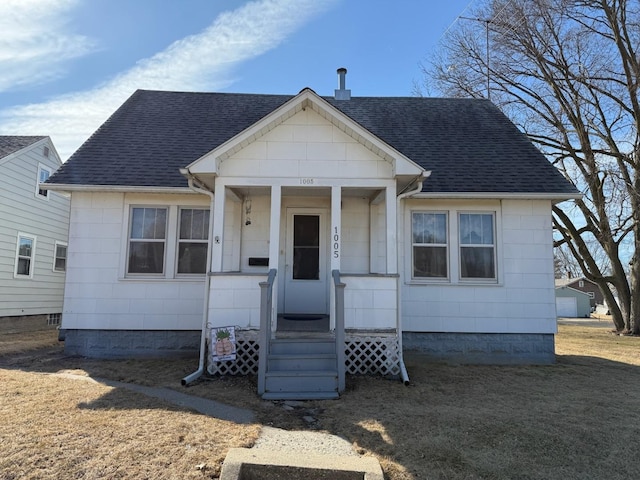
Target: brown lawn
(577,419)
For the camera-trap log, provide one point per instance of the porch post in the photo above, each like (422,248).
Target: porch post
(392,234)
(218,226)
(336,222)
(274,233)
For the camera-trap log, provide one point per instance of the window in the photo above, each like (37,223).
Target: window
(43,174)
(581,284)
(591,294)
(60,257)
(477,246)
(147,238)
(54,319)
(429,231)
(25,253)
(193,240)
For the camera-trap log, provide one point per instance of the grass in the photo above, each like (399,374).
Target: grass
(577,419)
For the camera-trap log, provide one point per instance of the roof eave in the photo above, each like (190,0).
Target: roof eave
(65,187)
(553,196)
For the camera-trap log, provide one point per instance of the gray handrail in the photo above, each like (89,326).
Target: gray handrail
(340,338)
(266,302)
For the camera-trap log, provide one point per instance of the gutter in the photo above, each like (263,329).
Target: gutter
(205,313)
(406,193)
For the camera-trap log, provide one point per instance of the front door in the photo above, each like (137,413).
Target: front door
(306,271)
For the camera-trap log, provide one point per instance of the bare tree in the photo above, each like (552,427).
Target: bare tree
(568,73)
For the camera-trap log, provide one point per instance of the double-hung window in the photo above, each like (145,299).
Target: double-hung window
(430,249)
(60,257)
(477,246)
(43,175)
(147,240)
(193,240)
(25,254)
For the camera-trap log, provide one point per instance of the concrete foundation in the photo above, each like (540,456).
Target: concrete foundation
(131,343)
(481,348)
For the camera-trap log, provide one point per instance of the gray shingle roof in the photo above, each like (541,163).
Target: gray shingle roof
(12,143)
(468,144)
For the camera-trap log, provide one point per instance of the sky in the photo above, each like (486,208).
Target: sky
(67,65)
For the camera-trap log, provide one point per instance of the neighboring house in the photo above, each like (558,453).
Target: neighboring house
(34,227)
(572,303)
(391,224)
(583,285)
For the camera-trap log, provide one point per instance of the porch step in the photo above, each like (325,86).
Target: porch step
(300,396)
(310,381)
(302,362)
(302,345)
(301,369)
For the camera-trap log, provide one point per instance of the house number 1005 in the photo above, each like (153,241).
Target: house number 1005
(306,181)
(336,243)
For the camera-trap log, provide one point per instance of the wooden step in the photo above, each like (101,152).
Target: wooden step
(301,362)
(306,381)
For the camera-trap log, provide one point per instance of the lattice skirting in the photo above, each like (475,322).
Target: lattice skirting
(373,354)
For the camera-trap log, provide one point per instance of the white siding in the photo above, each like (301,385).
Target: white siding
(523,299)
(308,146)
(98,294)
(46,219)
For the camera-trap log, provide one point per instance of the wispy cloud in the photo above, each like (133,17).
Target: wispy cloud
(198,62)
(34,42)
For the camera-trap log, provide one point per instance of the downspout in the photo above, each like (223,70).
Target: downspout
(399,221)
(205,313)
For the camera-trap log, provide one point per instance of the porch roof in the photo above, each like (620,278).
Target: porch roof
(468,144)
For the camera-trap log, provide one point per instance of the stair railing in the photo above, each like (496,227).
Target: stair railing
(266,309)
(340,337)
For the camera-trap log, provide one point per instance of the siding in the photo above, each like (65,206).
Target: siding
(98,295)
(523,300)
(47,220)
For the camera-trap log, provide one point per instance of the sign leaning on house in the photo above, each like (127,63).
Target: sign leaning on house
(223,344)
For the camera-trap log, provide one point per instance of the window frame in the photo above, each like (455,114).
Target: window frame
(55,256)
(446,246)
(45,194)
(32,257)
(493,246)
(164,241)
(180,240)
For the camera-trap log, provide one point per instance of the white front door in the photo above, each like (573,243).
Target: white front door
(305,289)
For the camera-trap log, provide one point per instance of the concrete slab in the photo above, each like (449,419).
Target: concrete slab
(251,463)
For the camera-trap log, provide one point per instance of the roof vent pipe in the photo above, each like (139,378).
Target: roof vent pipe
(342,93)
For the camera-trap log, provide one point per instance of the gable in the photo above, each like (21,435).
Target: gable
(305,137)
(305,145)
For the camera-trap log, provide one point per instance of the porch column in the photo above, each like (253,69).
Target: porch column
(218,227)
(392,233)
(274,232)
(336,222)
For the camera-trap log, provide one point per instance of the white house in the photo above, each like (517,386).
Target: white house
(34,226)
(377,225)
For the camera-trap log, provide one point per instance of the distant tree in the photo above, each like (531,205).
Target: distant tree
(567,72)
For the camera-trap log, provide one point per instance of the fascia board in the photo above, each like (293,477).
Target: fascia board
(61,187)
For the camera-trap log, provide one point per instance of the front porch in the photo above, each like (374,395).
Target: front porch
(283,266)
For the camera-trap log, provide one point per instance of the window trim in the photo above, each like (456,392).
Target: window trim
(494,245)
(165,241)
(55,256)
(32,258)
(42,168)
(447,246)
(181,208)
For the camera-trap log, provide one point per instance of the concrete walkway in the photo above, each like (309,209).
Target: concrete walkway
(274,447)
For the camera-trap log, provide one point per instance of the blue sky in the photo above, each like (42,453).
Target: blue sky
(66,65)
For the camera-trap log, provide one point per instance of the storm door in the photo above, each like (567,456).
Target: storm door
(306,271)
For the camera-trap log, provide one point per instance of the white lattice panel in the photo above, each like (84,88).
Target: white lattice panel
(364,355)
(377,355)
